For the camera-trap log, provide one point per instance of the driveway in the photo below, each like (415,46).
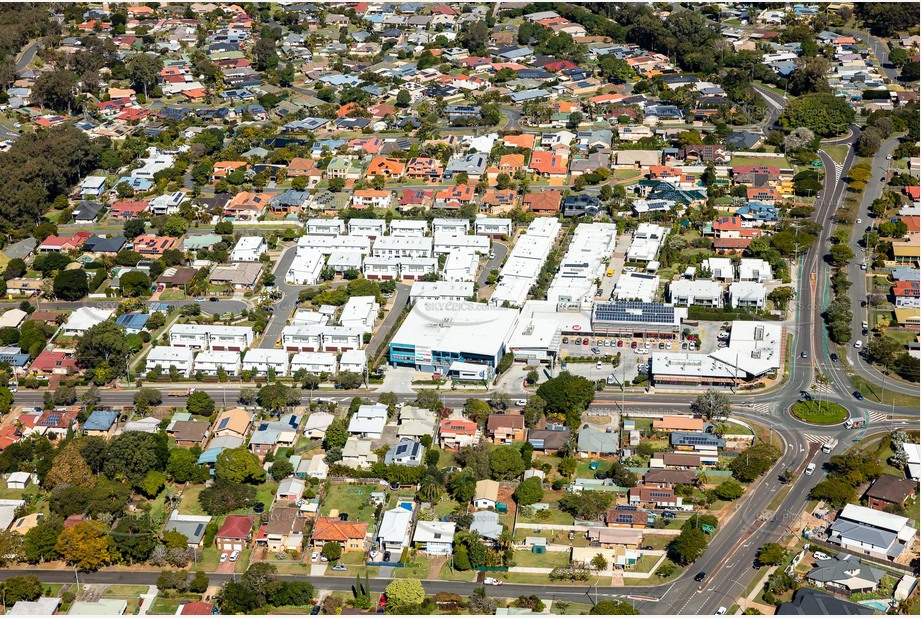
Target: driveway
(500,250)
(288,302)
(400,298)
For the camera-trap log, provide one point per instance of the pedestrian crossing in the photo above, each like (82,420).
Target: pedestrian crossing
(762,408)
(816,438)
(878,417)
(838,169)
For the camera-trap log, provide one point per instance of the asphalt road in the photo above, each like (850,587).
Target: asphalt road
(286,304)
(401,297)
(776,104)
(881,50)
(501,250)
(26,55)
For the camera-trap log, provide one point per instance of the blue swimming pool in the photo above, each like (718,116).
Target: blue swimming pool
(880,606)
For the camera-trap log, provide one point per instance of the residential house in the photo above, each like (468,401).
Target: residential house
(249,249)
(285,530)
(845,574)
(235,422)
(350,535)
(455,433)
(657,497)
(543,203)
(290,490)
(370,198)
(271,435)
(487,494)
(101,423)
(874,533)
(889,491)
(434,538)
(191,526)
(188,433)
(394,531)
(357,453)
(235,533)
(369,421)
(506,428)
(596,442)
(385,168)
(486,524)
(810,602)
(406,452)
(550,440)
(262,361)
(213,362)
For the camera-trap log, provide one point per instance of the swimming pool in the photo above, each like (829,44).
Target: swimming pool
(880,606)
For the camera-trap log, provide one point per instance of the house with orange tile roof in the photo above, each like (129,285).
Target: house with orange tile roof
(678,423)
(499,198)
(454,197)
(55,243)
(525,140)
(222,169)
(370,198)
(247,205)
(195,94)
(455,433)
(765,195)
(153,245)
(346,109)
(548,164)
(510,164)
(565,107)
(54,362)
(381,111)
(542,202)
(350,535)
(907,294)
(368,145)
(385,168)
(734,227)
(426,169)
(301,167)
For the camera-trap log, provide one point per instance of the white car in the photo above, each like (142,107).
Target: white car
(224,557)
(235,555)
(859,220)
(314,556)
(721,611)
(521,402)
(492,581)
(858,344)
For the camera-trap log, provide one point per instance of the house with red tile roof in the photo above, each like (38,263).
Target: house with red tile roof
(907,294)
(235,533)
(196,608)
(525,140)
(127,209)
(54,362)
(412,198)
(247,205)
(765,195)
(499,198)
(454,433)
(653,496)
(368,145)
(426,169)
(548,165)
(542,202)
(734,227)
(153,245)
(454,197)
(55,243)
(510,164)
(913,191)
(385,168)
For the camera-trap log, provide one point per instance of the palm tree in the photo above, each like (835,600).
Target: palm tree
(430,489)
(506,539)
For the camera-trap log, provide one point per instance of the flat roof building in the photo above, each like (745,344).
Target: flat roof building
(435,334)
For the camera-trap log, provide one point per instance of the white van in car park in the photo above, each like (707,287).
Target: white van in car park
(810,469)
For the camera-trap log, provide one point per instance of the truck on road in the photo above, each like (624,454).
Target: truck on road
(184,393)
(830,445)
(855,423)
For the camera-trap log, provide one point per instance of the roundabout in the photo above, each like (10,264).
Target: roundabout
(822,413)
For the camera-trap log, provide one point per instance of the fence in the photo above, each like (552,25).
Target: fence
(892,566)
(396,565)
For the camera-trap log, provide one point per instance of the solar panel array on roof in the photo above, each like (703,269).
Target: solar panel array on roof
(634,311)
(51,420)
(696,439)
(223,423)
(625,518)
(626,507)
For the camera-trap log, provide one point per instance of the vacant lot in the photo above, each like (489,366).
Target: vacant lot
(352,499)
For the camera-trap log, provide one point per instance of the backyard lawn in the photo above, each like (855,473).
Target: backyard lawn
(125,590)
(548,516)
(352,499)
(189,504)
(550,560)
(417,568)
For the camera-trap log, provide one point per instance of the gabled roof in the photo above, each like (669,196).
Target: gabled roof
(333,529)
(236,527)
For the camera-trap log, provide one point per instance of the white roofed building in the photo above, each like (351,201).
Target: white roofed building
(261,360)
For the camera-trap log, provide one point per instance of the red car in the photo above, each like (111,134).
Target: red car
(382,601)
(585,341)
(620,344)
(633,344)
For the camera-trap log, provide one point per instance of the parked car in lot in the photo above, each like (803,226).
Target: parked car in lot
(224,557)
(585,341)
(620,344)
(634,344)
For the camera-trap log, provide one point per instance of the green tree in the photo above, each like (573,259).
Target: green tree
(132,454)
(687,546)
(824,114)
(771,554)
(144,70)
(39,542)
(103,343)
(403,592)
(281,468)
(183,467)
(613,607)
(567,396)
(840,254)
(337,434)
(332,551)
(135,538)
(238,465)
(71,285)
(505,463)
(528,492)
(224,496)
(21,588)
(712,404)
(200,403)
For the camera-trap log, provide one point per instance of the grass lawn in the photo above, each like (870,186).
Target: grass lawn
(654,580)
(445,459)
(583,468)
(210,559)
(657,541)
(837,153)
(445,507)
(265,493)
(172,295)
(820,412)
(456,576)
(125,590)
(189,504)
(645,563)
(417,568)
(874,392)
(903,338)
(555,516)
(642,423)
(352,558)
(352,499)
(550,560)
(565,608)
(166,607)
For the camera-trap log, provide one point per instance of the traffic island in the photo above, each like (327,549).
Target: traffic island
(819,412)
